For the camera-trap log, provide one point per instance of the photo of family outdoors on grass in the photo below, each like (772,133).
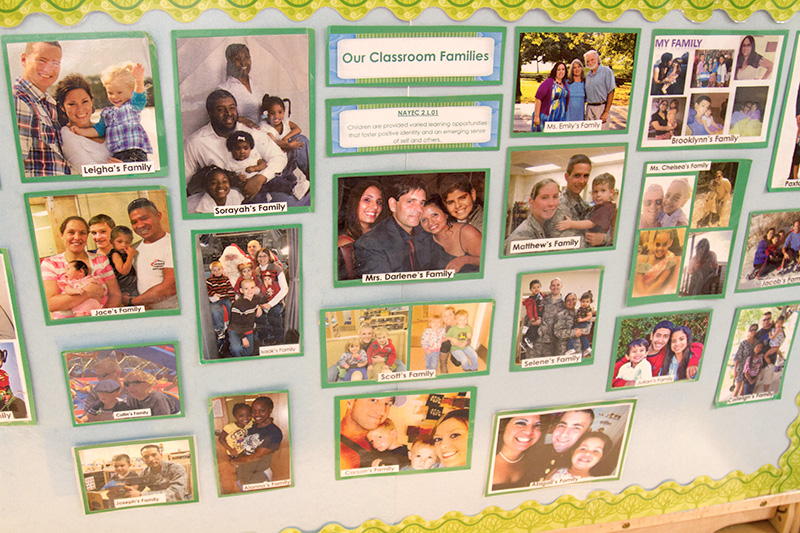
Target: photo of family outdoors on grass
(656,349)
(574,82)
(758,351)
(771,251)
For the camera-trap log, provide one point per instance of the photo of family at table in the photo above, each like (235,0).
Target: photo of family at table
(249,304)
(657,349)
(730,89)
(575,444)
(245,119)
(137,474)
(370,344)
(402,434)
(123,383)
(127,265)
(558,324)
(86,102)
(251,439)
(771,255)
(760,343)
(562,199)
(14,380)
(573,78)
(403,223)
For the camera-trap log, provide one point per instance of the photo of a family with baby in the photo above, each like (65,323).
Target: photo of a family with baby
(81,104)
(404,434)
(729,94)
(562,199)
(573,444)
(656,349)
(248,292)
(760,343)
(103,254)
(557,317)
(252,442)
(123,383)
(686,227)
(372,344)
(245,117)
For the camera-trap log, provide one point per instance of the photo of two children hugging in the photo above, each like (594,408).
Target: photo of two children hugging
(363,344)
(250,303)
(123,383)
(83,103)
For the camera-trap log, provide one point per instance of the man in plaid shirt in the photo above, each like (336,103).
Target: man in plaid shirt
(39,132)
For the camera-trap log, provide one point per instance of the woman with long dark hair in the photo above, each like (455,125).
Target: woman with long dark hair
(363,209)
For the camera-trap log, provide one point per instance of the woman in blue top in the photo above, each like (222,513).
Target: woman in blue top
(551,98)
(577,91)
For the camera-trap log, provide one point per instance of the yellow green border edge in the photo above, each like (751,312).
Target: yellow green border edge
(70,12)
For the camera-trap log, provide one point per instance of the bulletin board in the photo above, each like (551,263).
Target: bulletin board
(684,441)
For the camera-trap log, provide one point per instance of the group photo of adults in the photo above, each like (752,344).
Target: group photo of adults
(248,292)
(106,250)
(573,77)
(573,444)
(85,102)
(402,434)
(393,222)
(123,383)
(251,441)
(760,343)
(771,250)
(668,346)
(137,473)
(724,87)
(557,314)
(245,119)
(563,193)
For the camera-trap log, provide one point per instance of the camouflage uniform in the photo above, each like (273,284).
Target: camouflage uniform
(564,329)
(546,345)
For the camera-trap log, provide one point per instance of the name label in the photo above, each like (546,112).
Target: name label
(545,245)
(371,470)
(409,276)
(266,485)
(118,169)
(551,361)
(130,310)
(409,374)
(150,498)
(135,413)
(250,209)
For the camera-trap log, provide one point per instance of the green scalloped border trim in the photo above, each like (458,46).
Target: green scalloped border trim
(70,12)
(603,506)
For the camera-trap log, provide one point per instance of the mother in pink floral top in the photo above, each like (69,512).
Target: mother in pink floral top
(74,234)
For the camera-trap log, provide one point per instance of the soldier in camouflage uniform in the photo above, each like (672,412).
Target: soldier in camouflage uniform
(564,327)
(553,304)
